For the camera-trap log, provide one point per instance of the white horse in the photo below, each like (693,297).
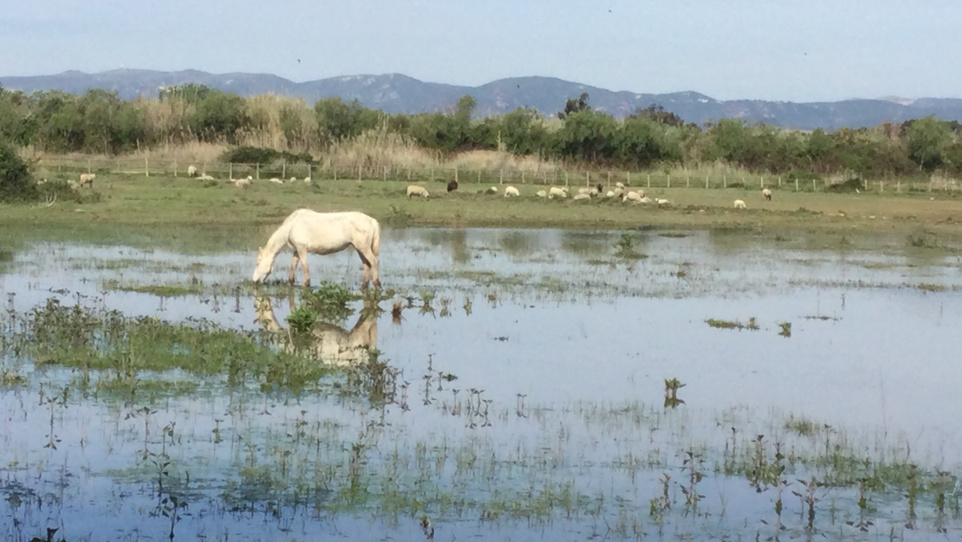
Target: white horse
(322,233)
(331,344)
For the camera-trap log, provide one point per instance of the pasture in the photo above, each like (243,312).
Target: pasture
(147,201)
(596,370)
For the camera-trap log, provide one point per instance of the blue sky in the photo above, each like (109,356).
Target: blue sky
(793,50)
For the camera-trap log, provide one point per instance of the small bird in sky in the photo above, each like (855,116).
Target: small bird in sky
(298,61)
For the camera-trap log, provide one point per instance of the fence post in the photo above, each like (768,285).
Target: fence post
(688,181)
(284,170)
(175,169)
(479,176)
(880,188)
(725,181)
(669,179)
(796,184)
(522,176)
(334,169)
(779,181)
(544,177)
(628,178)
(230,170)
(609,178)
(309,165)
(761,183)
(359,172)
(706,182)
(814,188)
(257,171)
(204,172)
(566,177)
(384,178)
(455,173)
(649,180)
(88,166)
(146,167)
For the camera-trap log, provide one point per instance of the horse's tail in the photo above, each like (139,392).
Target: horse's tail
(376,239)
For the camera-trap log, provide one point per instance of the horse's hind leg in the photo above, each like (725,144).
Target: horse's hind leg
(369,260)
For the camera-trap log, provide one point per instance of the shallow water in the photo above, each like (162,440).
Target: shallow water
(568,349)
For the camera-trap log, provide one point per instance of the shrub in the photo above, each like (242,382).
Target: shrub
(262,155)
(15,181)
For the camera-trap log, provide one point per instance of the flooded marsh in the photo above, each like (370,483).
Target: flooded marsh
(507,385)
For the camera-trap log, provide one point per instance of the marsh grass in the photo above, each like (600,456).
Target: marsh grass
(752,325)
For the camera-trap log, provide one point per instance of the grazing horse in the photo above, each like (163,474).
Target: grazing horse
(307,231)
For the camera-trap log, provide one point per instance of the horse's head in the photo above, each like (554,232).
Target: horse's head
(264,267)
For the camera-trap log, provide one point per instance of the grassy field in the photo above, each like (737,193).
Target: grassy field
(168,207)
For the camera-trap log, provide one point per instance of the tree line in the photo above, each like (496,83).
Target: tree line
(99,122)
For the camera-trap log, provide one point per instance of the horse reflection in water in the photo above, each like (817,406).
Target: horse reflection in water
(329,343)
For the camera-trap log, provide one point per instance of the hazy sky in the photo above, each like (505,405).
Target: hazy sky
(798,50)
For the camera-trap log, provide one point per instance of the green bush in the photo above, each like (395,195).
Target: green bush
(15,181)
(261,155)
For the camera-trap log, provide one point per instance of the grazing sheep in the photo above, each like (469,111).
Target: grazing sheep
(646,200)
(661,201)
(584,191)
(452,186)
(74,185)
(542,194)
(307,180)
(87,179)
(559,192)
(511,191)
(632,196)
(619,191)
(620,185)
(580,197)
(593,192)
(610,194)
(417,191)
(767,194)
(492,190)
(205,177)
(243,183)
(292,179)
(275,180)
(739,204)
(191,171)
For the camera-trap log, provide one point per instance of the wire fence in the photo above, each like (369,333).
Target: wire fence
(65,167)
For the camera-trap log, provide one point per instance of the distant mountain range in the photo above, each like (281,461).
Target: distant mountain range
(396,93)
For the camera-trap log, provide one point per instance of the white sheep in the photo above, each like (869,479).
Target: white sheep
(542,194)
(610,194)
(739,204)
(619,191)
(584,191)
(74,185)
(191,171)
(593,192)
(646,200)
(632,196)
(620,185)
(87,179)
(492,190)
(292,179)
(275,180)
(661,201)
(307,180)
(205,177)
(243,183)
(559,192)
(511,191)
(417,191)
(767,194)
(580,197)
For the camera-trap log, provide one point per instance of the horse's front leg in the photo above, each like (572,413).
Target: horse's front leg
(294,259)
(302,255)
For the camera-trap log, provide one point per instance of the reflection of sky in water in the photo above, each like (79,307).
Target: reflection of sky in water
(600,335)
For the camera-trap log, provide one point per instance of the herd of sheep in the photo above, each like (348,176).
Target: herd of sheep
(619,192)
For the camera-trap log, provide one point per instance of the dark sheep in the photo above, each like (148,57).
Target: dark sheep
(452,186)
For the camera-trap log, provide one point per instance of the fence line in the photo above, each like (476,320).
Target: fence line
(65,167)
